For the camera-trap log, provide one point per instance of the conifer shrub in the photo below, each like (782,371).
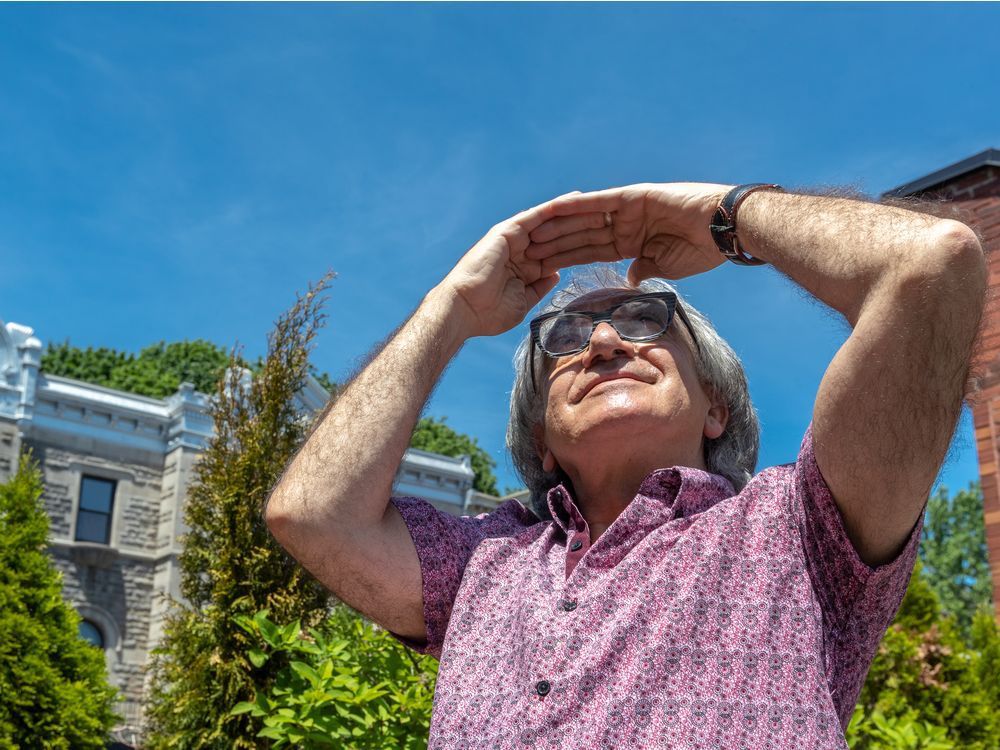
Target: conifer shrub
(230,565)
(53,685)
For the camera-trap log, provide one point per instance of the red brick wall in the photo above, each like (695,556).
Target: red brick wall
(978,192)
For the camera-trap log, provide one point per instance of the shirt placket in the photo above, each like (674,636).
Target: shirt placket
(577,539)
(553,686)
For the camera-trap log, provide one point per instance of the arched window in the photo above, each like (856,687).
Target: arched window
(91,633)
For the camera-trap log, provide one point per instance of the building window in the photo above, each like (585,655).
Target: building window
(91,633)
(93,522)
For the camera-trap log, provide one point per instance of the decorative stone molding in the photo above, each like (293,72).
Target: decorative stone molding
(92,555)
(20,358)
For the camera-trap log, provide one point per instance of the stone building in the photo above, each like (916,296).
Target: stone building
(974,184)
(116,467)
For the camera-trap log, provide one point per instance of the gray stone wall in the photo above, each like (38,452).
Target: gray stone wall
(135,515)
(114,592)
(113,585)
(9,447)
(59,500)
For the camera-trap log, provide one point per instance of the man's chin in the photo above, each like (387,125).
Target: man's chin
(624,425)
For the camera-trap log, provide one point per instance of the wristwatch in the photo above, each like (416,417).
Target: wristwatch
(723,226)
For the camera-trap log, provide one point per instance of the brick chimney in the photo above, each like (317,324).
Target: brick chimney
(974,184)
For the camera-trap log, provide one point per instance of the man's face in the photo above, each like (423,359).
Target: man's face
(616,392)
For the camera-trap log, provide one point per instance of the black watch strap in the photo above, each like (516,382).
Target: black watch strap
(723,226)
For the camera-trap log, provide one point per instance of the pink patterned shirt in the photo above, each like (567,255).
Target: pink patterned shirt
(699,619)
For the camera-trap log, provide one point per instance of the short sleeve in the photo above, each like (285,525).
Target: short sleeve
(858,602)
(445,544)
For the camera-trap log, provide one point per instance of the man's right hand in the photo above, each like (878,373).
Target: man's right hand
(496,283)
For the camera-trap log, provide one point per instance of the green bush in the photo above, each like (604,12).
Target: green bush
(344,684)
(928,683)
(879,732)
(53,685)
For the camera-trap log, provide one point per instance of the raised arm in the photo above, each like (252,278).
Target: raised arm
(331,507)
(912,287)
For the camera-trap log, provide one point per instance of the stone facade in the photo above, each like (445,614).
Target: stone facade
(147,448)
(974,185)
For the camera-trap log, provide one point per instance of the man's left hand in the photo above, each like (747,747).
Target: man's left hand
(664,227)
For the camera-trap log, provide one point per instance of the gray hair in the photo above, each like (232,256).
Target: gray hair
(733,454)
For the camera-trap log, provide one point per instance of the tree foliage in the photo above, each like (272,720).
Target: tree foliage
(436,436)
(53,684)
(156,371)
(344,684)
(230,565)
(954,553)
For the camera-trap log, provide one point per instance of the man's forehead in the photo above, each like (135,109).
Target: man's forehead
(599,299)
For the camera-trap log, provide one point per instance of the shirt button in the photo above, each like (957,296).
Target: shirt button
(576,545)
(569,605)
(542,687)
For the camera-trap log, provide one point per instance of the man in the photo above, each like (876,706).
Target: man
(656,597)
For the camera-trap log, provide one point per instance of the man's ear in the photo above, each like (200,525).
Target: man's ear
(549,463)
(716,419)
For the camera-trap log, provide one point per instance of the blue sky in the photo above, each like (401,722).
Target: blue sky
(179,171)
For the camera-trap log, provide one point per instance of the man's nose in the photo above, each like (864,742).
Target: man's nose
(606,344)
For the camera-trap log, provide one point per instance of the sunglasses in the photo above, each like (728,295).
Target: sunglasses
(644,317)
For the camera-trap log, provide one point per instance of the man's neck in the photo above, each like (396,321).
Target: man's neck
(602,501)
(602,492)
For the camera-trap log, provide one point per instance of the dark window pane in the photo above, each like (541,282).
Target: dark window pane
(92,527)
(96,494)
(90,633)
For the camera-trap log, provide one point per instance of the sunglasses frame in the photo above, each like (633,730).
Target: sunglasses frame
(604,316)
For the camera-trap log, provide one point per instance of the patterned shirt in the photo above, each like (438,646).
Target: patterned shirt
(700,618)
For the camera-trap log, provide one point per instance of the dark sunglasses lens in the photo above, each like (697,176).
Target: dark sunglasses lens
(564,333)
(642,318)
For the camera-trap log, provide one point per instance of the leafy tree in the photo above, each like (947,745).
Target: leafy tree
(436,436)
(156,371)
(53,684)
(345,684)
(953,550)
(230,565)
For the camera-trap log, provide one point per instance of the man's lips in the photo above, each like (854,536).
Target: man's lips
(609,377)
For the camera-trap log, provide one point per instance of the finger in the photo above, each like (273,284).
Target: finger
(562,225)
(516,229)
(585,238)
(581,256)
(642,268)
(597,201)
(535,291)
(532,217)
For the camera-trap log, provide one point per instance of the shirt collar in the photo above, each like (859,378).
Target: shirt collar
(677,492)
